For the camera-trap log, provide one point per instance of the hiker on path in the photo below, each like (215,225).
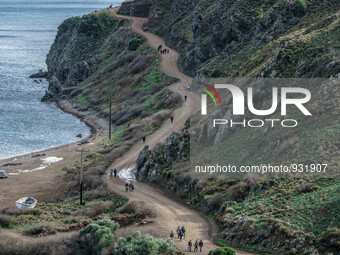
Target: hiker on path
(172,234)
(167,51)
(200,245)
(180,235)
(144,139)
(132,187)
(111,173)
(189,245)
(178,231)
(172,119)
(126,187)
(160,47)
(183,231)
(115,172)
(196,246)
(185,98)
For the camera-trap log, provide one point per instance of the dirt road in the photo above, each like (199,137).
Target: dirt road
(170,213)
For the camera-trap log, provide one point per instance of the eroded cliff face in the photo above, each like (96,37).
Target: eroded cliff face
(77,50)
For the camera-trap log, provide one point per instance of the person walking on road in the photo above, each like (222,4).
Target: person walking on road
(180,235)
(172,234)
(111,173)
(183,231)
(200,245)
(126,187)
(178,231)
(144,139)
(196,246)
(115,172)
(172,119)
(189,245)
(185,98)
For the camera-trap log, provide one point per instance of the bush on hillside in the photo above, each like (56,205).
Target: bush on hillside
(7,220)
(305,188)
(238,192)
(97,236)
(300,8)
(97,25)
(215,202)
(223,251)
(146,245)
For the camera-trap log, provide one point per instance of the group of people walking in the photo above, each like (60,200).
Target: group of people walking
(129,187)
(181,234)
(163,51)
(196,245)
(113,173)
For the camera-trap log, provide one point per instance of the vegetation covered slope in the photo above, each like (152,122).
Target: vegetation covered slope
(94,58)
(272,38)
(285,216)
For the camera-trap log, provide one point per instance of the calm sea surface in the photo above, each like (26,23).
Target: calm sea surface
(27,30)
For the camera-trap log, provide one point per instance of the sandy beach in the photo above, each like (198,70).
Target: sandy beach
(40,174)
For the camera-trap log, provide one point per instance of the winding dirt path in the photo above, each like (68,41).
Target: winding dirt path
(169,213)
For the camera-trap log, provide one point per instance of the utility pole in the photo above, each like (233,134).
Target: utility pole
(81,173)
(110,116)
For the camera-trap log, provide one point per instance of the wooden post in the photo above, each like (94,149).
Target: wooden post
(81,174)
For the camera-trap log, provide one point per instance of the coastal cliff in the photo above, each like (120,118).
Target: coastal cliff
(94,58)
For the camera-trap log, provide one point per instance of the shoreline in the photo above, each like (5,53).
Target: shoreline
(66,107)
(33,177)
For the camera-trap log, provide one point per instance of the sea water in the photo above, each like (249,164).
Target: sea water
(27,30)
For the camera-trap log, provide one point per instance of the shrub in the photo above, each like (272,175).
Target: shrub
(43,228)
(305,188)
(238,192)
(146,245)
(229,210)
(223,251)
(134,44)
(141,63)
(7,220)
(215,201)
(97,25)
(96,208)
(300,8)
(97,236)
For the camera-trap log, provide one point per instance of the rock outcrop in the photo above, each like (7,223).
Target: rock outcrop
(139,8)
(151,164)
(40,74)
